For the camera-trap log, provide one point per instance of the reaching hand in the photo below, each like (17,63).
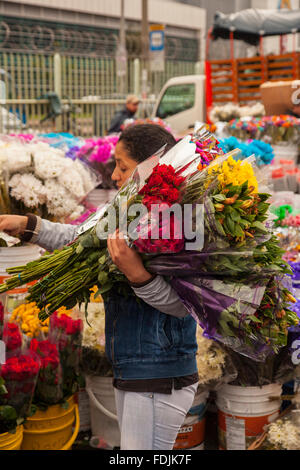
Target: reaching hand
(13,224)
(127,260)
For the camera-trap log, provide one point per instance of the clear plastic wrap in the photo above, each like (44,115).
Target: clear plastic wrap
(66,333)
(49,386)
(19,375)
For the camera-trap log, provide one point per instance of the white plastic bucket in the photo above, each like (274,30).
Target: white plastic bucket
(192,433)
(104,421)
(17,256)
(243,412)
(285,152)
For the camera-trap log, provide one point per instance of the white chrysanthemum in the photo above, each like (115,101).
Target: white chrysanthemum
(94,335)
(59,200)
(71,179)
(48,164)
(28,189)
(16,157)
(210,358)
(284,434)
(88,178)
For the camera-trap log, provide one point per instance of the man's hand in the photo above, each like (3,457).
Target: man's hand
(13,224)
(127,260)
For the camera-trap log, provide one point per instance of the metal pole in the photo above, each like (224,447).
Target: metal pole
(145,47)
(57,86)
(121,55)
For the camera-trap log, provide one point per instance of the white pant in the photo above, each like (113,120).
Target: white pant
(151,421)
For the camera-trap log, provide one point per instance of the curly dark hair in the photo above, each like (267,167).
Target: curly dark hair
(143,140)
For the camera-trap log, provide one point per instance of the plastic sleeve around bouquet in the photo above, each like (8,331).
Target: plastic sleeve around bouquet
(66,333)
(20,373)
(12,338)
(233,292)
(49,387)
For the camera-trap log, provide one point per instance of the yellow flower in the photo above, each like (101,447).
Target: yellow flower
(98,299)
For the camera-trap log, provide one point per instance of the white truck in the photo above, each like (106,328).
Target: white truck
(181,103)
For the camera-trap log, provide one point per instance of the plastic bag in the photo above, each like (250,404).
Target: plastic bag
(48,389)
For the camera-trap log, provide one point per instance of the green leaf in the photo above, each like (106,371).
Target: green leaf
(238,231)
(230,225)
(263,207)
(102,259)
(254,318)
(259,226)
(219,197)
(264,197)
(105,288)
(244,223)
(225,328)
(220,228)
(102,278)
(235,215)
(7,412)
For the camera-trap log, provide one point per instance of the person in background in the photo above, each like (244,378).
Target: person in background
(128,112)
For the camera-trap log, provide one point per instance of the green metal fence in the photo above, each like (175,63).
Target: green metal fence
(30,75)
(89,85)
(84,118)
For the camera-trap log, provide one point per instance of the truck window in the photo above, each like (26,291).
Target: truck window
(177,98)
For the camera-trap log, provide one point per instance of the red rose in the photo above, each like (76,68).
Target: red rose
(178,180)
(173,195)
(155,180)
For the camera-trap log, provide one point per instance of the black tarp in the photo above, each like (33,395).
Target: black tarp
(250,24)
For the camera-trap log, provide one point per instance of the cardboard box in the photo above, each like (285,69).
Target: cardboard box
(277,96)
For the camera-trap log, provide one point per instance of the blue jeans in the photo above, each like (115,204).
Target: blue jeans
(151,421)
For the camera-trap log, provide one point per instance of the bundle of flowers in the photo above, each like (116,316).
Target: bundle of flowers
(283,433)
(23,137)
(49,387)
(40,179)
(211,362)
(12,338)
(230,111)
(18,378)
(272,129)
(223,278)
(98,154)
(66,333)
(93,358)
(61,140)
(26,315)
(263,152)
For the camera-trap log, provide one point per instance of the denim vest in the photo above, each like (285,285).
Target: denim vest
(143,343)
